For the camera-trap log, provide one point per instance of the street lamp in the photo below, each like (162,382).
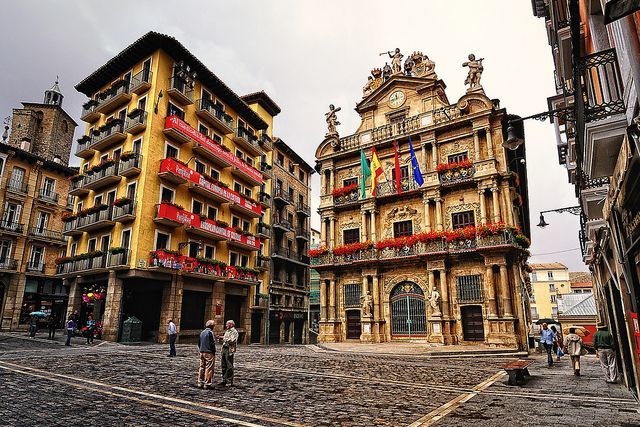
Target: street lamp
(574,210)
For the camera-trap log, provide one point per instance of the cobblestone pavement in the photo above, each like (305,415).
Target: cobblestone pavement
(45,383)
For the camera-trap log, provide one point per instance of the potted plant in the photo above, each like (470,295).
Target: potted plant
(117,250)
(121,201)
(222,223)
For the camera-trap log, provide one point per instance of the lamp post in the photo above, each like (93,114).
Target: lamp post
(574,210)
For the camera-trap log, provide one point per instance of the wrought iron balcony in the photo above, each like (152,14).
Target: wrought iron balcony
(110,134)
(602,86)
(84,149)
(264,198)
(282,224)
(290,254)
(89,113)
(35,266)
(11,227)
(388,188)
(262,264)
(346,199)
(120,259)
(48,196)
(131,165)
(136,122)
(77,187)
(260,301)
(125,213)
(282,196)
(87,263)
(181,91)
(17,186)
(457,176)
(69,228)
(265,141)
(141,82)
(41,233)
(303,209)
(588,183)
(214,115)
(102,178)
(248,141)
(8,264)
(113,97)
(266,169)
(96,220)
(302,234)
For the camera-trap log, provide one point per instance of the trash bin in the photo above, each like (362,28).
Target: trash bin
(131,331)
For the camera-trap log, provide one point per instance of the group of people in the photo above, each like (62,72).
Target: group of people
(207,348)
(573,346)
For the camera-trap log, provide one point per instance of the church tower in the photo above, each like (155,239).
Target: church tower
(44,129)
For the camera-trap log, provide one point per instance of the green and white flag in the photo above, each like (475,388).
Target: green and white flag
(366,173)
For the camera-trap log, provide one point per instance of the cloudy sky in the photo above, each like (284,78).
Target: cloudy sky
(307,55)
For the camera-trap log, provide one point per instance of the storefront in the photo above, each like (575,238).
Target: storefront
(46,295)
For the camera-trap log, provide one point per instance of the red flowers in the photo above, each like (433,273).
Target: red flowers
(466,233)
(351,248)
(343,191)
(314,253)
(401,242)
(495,228)
(444,167)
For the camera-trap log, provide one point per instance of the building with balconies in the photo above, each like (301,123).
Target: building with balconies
(290,220)
(436,252)
(168,222)
(597,58)
(34,186)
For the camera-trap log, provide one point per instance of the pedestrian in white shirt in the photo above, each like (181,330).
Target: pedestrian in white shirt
(172,331)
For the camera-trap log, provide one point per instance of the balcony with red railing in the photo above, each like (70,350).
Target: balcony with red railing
(202,267)
(204,146)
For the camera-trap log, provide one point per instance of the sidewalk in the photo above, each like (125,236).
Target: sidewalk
(420,349)
(43,337)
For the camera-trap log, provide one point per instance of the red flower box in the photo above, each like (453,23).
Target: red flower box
(351,248)
(343,191)
(444,167)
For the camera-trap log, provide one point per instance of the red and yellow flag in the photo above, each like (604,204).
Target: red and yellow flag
(376,170)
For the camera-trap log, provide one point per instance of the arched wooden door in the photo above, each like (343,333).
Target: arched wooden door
(408,311)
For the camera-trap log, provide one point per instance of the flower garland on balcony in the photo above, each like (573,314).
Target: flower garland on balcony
(170,203)
(495,228)
(351,248)
(121,201)
(321,250)
(522,241)
(221,223)
(343,191)
(117,250)
(401,242)
(86,255)
(211,262)
(445,167)
(68,217)
(466,233)
(128,155)
(92,210)
(247,270)
(101,166)
(264,225)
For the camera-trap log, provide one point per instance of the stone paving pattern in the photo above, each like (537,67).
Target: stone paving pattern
(294,384)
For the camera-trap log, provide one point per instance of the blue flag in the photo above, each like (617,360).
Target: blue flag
(417,174)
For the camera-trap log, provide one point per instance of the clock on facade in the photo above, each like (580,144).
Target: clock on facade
(396,99)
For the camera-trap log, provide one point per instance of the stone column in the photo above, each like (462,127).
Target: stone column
(373,225)
(323,231)
(508,206)
(332,300)
(331,180)
(439,226)
(305,332)
(75,299)
(483,206)
(427,214)
(332,233)
(323,300)
(424,157)
(363,225)
(491,291)
(434,155)
(15,297)
(281,337)
(323,184)
(444,293)
(489,142)
(476,145)
(504,292)
(113,309)
(495,193)
(171,307)
(376,308)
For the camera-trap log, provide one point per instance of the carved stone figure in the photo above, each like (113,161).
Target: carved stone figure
(408,66)
(423,66)
(332,120)
(368,87)
(475,71)
(434,301)
(367,304)
(396,60)
(386,71)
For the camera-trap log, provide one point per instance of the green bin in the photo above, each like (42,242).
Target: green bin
(131,331)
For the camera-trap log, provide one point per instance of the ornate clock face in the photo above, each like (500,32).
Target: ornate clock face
(396,99)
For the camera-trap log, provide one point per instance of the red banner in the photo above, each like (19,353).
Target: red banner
(171,166)
(172,213)
(174,261)
(173,122)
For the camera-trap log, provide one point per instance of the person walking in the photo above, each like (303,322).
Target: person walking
(229,342)
(91,329)
(33,327)
(558,341)
(604,345)
(547,338)
(207,347)
(71,325)
(573,347)
(173,335)
(52,324)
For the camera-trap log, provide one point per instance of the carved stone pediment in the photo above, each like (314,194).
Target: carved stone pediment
(456,147)
(462,208)
(392,280)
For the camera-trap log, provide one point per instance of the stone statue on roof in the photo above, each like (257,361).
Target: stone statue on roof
(332,120)
(475,72)
(396,60)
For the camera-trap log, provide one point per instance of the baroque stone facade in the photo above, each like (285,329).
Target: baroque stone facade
(396,265)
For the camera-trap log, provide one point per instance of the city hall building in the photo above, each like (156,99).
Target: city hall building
(438,257)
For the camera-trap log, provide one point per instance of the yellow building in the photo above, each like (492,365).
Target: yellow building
(434,254)
(548,282)
(173,203)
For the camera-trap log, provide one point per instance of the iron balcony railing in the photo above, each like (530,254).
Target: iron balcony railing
(93,218)
(48,195)
(303,234)
(289,253)
(263,230)
(560,14)
(119,259)
(46,233)
(247,135)
(603,91)
(280,194)
(179,84)
(17,186)
(457,176)
(588,183)
(111,170)
(115,127)
(85,264)
(388,188)
(136,121)
(215,111)
(304,208)
(127,210)
(131,162)
(69,226)
(11,226)
(70,201)
(262,263)
(88,108)
(264,198)
(266,141)
(282,223)
(140,79)
(115,91)
(35,266)
(8,264)
(345,199)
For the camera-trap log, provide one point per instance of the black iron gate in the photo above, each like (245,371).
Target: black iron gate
(408,311)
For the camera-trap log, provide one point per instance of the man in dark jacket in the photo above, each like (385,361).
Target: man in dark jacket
(52,324)
(207,346)
(603,342)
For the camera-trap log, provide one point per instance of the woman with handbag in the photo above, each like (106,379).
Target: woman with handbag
(574,348)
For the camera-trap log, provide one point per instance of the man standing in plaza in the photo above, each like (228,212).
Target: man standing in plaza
(207,346)
(229,342)
(172,331)
(52,324)
(71,325)
(547,338)
(603,343)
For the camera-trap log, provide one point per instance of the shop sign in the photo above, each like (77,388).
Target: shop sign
(173,122)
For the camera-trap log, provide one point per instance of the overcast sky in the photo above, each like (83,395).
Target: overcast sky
(306,55)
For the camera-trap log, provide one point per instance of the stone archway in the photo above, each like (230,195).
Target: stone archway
(408,311)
